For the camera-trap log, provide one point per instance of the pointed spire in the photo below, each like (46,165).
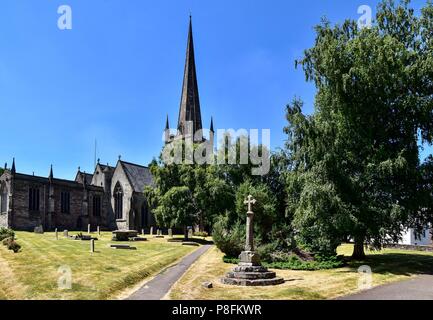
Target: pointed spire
(13,169)
(190,102)
(211,125)
(167,125)
(51,176)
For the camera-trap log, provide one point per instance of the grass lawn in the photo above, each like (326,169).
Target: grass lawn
(387,266)
(33,272)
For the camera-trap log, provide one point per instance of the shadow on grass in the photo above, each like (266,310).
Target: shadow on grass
(196,240)
(397,263)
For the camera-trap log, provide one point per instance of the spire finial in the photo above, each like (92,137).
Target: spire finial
(13,169)
(120,157)
(167,125)
(211,124)
(51,173)
(99,160)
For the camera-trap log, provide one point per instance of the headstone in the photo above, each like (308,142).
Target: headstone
(142,232)
(92,245)
(57,234)
(66,233)
(190,233)
(159,232)
(99,230)
(88,228)
(151,231)
(170,233)
(39,229)
(250,271)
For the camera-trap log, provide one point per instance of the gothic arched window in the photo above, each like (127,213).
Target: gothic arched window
(3,199)
(118,201)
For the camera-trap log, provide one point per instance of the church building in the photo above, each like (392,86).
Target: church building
(111,197)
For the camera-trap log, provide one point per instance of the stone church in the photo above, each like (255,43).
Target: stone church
(111,197)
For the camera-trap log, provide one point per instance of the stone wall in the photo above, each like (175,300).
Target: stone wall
(120,178)
(4,220)
(22,218)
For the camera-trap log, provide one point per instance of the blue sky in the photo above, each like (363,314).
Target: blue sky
(116,75)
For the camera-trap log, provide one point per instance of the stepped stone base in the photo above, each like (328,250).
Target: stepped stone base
(251,273)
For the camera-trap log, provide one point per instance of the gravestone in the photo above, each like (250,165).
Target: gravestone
(151,231)
(92,245)
(170,233)
(190,233)
(250,271)
(88,228)
(99,230)
(142,232)
(57,234)
(39,229)
(66,233)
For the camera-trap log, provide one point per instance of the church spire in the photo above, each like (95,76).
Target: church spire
(13,169)
(51,176)
(211,125)
(190,102)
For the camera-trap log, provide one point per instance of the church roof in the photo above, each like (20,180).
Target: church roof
(190,101)
(103,166)
(138,176)
(88,176)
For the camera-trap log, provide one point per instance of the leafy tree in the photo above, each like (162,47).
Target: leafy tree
(355,161)
(176,208)
(209,194)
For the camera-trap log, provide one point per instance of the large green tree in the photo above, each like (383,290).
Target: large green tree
(355,161)
(208,194)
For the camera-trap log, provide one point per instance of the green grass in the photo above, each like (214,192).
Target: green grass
(387,266)
(33,272)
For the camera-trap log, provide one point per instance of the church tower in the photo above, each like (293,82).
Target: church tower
(189,120)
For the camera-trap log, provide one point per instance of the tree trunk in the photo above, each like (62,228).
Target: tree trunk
(358,250)
(185,232)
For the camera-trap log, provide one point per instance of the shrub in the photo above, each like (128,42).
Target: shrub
(6,233)
(11,244)
(295,263)
(203,234)
(229,240)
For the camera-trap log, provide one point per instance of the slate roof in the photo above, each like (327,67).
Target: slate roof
(138,176)
(79,177)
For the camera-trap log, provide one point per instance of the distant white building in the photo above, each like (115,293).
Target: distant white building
(423,239)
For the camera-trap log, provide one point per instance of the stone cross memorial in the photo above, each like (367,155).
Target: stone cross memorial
(250,271)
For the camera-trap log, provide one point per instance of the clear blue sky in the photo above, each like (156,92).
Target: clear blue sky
(118,72)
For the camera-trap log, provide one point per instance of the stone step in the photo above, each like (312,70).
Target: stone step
(252,275)
(252,283)
(250,269)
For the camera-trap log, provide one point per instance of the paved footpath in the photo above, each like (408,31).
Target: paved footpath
(419,288)
(158,287)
